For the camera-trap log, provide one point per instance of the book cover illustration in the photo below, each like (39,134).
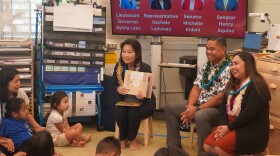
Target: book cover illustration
(139,81)
(131,104)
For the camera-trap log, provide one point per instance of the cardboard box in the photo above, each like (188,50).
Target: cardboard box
(85,104)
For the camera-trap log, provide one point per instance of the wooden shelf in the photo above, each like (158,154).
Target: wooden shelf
(15,42)
(12,49)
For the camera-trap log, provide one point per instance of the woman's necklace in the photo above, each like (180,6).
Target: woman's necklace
(206,83)
(241,88)
(120,71)
(236,108)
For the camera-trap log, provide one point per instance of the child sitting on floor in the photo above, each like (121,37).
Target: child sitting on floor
(16,127)
(58,126)
(108,146)
(41,144)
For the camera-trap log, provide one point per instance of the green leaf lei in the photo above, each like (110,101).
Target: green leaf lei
(207,84)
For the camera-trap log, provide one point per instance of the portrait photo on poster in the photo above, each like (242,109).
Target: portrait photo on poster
(185,18)
(129,4)
(192,4)
(161,4)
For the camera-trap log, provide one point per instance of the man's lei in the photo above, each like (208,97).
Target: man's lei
(207,82)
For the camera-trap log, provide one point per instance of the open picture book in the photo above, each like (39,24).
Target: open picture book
(139,81)
(131,104)
(136,82)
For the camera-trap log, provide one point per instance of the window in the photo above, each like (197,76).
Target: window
(18,19)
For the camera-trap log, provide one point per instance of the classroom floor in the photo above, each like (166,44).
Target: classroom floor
(155,143)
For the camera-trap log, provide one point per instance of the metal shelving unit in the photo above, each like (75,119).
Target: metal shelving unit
(55,55)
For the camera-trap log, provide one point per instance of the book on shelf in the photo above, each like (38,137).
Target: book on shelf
(139,82)
(15,63)
(26,88)
(24,76)
(23,69)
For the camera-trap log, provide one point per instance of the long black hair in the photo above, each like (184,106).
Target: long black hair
(136,47)
(251,71)
(7,74)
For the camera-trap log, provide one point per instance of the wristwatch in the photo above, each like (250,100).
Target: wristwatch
(197,108)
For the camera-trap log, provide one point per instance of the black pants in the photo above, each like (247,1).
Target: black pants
(129,119)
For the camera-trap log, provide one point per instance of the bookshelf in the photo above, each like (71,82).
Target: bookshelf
(19,55)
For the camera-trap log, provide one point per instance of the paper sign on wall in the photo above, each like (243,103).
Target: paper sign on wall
(274,37)
(111,58)
(69,18)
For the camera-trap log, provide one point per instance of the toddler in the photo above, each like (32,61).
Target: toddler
(58,126)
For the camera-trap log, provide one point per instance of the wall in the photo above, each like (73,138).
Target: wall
(269,6)
(174,47)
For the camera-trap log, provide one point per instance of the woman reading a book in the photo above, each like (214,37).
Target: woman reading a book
(129,117)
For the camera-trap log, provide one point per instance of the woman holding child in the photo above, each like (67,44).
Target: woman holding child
(244,113)
(9,88)
(129,118)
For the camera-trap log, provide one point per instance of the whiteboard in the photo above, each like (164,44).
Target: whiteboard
(79,17)
(274,37)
